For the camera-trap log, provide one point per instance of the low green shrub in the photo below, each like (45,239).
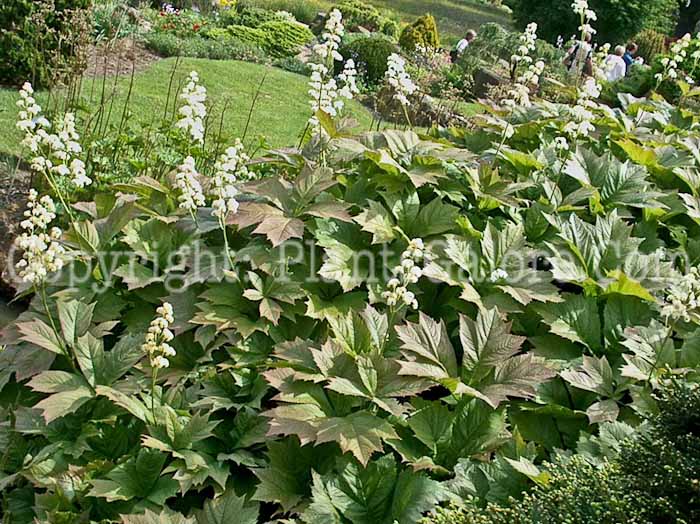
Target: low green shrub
(305,11)
(285,38)
(651,43)
(370,54)
(224,48)
(250,16)
(279,38)
(293,65)
(357,13)
(37,38)
(423,32)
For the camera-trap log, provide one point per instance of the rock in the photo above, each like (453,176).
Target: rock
(484,78)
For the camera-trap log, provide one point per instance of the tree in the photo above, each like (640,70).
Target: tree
(617,21)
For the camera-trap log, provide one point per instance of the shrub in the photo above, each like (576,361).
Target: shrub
(391,28)
(293,65)
(285,38)
(221,46)
(37,38)
(182,23)
(305,11)
(250,17)
(357,13)
(617,21)
(422,32)
(370,55)
(279,39)
(651,43)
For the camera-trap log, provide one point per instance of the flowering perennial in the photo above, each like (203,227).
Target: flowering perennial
(683,299)
(194,111)
(587,15)
(519,94)
(230,167)
(55,153)
(581,124)
(679,52)
(498,275)
(191,195)
(399,79)
(331,37)
(158,336)
(349,80)
(42,254)
(405,274)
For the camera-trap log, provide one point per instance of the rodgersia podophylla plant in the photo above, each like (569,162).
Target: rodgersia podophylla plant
(408,272)
(586,14)
(194,110)
(682,300)
(42,252)
(56,148)
(679,53)
(399,80)
(328,94)
(230,168)
(191,196)
(157,346)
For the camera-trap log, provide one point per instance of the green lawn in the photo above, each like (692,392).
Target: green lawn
(454,17)
(280,112)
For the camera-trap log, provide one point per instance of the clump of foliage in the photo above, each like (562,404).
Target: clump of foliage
(248,16)
(370,54)
(219,46)
(423,32)
(179,22)
(39,37)
(617,21)
(278,38)
(357,13)
(357,329)
(651,43)
(305,11)
(651,478)
(664,462)
(112,19)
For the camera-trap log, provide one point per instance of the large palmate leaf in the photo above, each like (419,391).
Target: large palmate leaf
(503,252)
(491,370)
(282,218)
(594,255)
(228,508)
(346,259)
(138,478)
(576,319)
(287,478)
(270,292)
(615,184)
(67,393)
(165,517)
(378,494)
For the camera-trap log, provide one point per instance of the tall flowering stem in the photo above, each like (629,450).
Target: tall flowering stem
(191,196)
(401,83)
(328,94)
(194,110)
(55,148)
(230,168)
(157,346)
(519,94)
(397,295)
(671,65)
(42,253)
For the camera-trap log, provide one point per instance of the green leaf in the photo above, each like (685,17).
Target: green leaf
(377,220)
(623,285)
(40,334)
(486,341)
(228,508)
(75,318)
(360,433)
(137,478)
(165,517)
(594,375)
(68,393)
(576,319)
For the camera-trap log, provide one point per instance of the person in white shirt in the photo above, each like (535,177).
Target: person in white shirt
(615,66)
(464,42)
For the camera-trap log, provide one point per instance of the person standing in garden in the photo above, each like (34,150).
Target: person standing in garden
(463,44)
(578,59)
(615,65)
(629,55)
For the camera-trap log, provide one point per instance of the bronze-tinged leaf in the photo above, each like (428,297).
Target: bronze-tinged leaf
(280,228)
(360,434)
(329,209)
(251,213)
